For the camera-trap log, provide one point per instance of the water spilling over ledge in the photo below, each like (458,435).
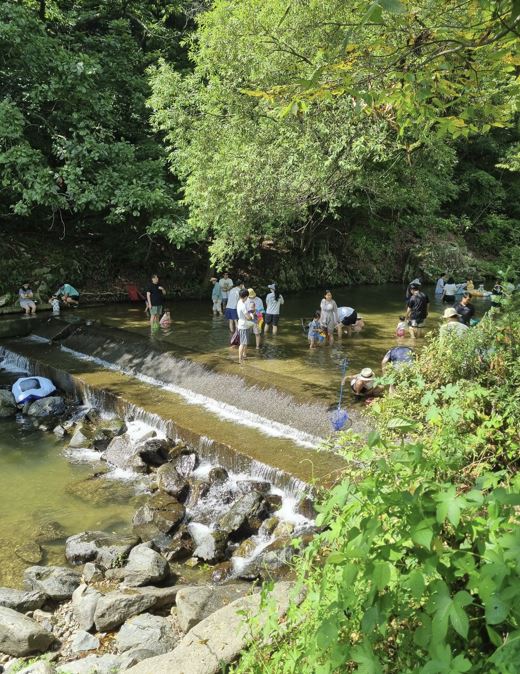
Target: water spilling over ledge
(240,447)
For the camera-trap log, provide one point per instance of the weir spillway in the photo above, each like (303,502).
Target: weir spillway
(258,430)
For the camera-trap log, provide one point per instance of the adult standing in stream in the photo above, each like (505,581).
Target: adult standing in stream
(225,284)
(244,324)
(329,315)
(154,300)
(416,310)
(231,308)
(273,301)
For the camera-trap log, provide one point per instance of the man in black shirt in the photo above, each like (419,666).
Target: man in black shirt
(465,309)
(154,300)
(417,309)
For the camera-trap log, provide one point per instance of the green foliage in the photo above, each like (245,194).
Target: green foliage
(415,568)
(332,126)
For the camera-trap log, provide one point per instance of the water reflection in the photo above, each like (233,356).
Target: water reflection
(285,360)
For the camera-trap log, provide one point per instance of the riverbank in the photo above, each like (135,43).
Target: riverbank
(416,568)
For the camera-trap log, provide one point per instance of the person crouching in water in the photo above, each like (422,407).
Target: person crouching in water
(363,384)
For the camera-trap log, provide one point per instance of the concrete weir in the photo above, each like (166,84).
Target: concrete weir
(128,377)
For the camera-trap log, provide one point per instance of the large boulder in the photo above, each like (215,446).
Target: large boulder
(52,406)
(21,601)
(98,546)
(149,632)
(219,638)
(57,582)
(82,437)
(93,664)
(84,603)
(245,516)
(154,451)
(196,603)
(163,597)
(209,545)
(122,453)
(161,515)
(115,608)
(21,635)
(7,404)
(145,566)
(169,481)
(186,463)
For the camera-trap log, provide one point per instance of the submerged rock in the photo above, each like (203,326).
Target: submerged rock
(20,600)
(161,515)
(29,552)
(98,546)
(145,566)
(21,635)
(49,532)
(169,481)
(82,437)
(99,491)
(52,406)
(57,582)
(196,603)
(7,404)
(149,632)
(218,475)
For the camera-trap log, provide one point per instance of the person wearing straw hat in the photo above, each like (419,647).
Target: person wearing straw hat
(216,297)
(452,324)
(256,308)
(363,384)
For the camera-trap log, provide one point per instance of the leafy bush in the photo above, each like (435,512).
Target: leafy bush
(415,568)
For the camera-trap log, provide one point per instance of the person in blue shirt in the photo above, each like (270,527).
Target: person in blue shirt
(216,297)
(68,295)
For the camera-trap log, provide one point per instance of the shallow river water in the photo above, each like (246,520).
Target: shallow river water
(38,482)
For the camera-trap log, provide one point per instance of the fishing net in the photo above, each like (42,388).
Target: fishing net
(338,419)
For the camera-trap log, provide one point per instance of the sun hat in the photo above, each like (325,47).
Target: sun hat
(251,292)
(213,279)
(416,282)
(272,286)
(449,313)
(366,373)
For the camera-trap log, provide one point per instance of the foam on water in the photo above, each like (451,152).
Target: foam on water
(81,455)
(221,409)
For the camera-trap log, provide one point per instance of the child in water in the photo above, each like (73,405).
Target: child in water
(55,305)
(315,331)
(166,320)
(402,327)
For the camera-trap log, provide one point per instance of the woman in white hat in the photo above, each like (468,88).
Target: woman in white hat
(363,384)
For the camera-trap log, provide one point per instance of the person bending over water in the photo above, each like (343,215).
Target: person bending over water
(68,294)
(347,318)
(363,384)
(329,315)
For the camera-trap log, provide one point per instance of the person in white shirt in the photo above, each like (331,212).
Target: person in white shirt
(441,282)
(225,284)
(449,291)
(244,324)
(273,301)
(231,307)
